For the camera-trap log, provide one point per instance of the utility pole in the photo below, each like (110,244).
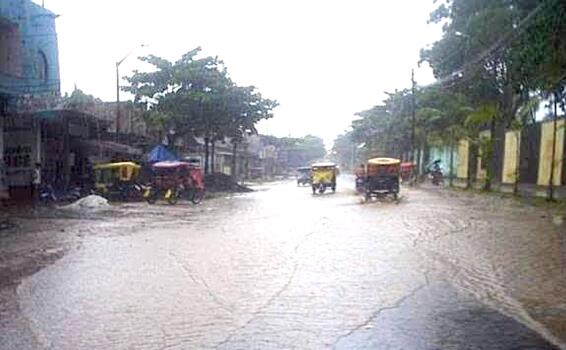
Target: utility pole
(118,63)
(118,98)
(414,122)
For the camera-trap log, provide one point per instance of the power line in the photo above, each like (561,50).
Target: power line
(500,43)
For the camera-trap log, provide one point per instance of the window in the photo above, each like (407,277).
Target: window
(41,67)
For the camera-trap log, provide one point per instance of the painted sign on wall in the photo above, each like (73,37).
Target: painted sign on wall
(19,158)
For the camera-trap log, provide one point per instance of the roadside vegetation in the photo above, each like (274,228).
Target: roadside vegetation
(497,62)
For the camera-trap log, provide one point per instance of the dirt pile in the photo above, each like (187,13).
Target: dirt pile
(91,202)
(219,182)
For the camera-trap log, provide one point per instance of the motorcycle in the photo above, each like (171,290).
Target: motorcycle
(48,195)
(435,173)
(436,177)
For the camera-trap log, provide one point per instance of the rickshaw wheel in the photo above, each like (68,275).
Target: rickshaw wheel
(152,199)
(313,189)
(396,197)
(174,197)
(197,196)
(152,196)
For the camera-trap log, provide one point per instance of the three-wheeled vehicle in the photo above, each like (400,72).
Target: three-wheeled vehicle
(174,180)
(323,175)
(118,181)
(407,171)
(382,177)
(303,176)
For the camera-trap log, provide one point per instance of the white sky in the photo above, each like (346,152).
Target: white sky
(323,60)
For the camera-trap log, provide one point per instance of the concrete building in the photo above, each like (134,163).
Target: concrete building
(29,83)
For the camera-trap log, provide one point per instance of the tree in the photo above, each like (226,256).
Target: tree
(344,151)
(80,101)
(245,107)
(479,64)
(195,96)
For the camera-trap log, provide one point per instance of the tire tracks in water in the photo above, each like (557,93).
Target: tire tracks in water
(375,315)
(198,279)
(480,280)
(257,313)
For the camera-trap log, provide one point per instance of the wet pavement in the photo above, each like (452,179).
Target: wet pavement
(280,268)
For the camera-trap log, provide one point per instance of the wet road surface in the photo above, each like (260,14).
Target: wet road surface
(280,268)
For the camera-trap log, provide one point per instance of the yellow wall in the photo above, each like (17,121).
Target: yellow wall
(463,154)
(510,159)
(547,133)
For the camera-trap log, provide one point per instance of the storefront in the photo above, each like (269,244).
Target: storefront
(55,140)
(22,149)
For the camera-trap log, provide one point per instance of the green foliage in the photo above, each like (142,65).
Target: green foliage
(482,116)
(195,96)
(78,100)
(386,130)
(495,62)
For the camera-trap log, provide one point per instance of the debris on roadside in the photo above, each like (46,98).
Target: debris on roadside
(92,202)
(219,182)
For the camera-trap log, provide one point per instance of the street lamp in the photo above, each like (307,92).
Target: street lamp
(118,63)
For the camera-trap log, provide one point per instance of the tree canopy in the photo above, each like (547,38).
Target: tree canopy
(495,61)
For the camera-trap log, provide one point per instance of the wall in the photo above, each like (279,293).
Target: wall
(511,157)
(10,49)
(529,153)
(463,159)
(20,149)
(545,163)
(481,169)
(37,70)
(528,150)
(3,184)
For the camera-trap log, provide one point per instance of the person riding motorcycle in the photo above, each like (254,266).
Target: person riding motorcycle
(360,173)
(436,174)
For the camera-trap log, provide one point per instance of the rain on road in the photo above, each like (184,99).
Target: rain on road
(280,268)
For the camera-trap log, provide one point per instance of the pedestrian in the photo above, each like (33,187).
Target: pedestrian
(360,171)
(36,183)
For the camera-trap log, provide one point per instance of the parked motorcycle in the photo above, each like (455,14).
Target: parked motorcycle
(49,195)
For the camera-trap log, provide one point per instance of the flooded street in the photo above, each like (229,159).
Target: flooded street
(281,268)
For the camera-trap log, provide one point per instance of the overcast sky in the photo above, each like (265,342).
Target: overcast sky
(323,60)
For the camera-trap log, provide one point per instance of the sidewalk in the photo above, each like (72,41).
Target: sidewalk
(525,190)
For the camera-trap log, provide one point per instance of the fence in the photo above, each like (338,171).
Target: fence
(523,157)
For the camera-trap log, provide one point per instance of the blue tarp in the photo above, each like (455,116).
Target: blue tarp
(159,154)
